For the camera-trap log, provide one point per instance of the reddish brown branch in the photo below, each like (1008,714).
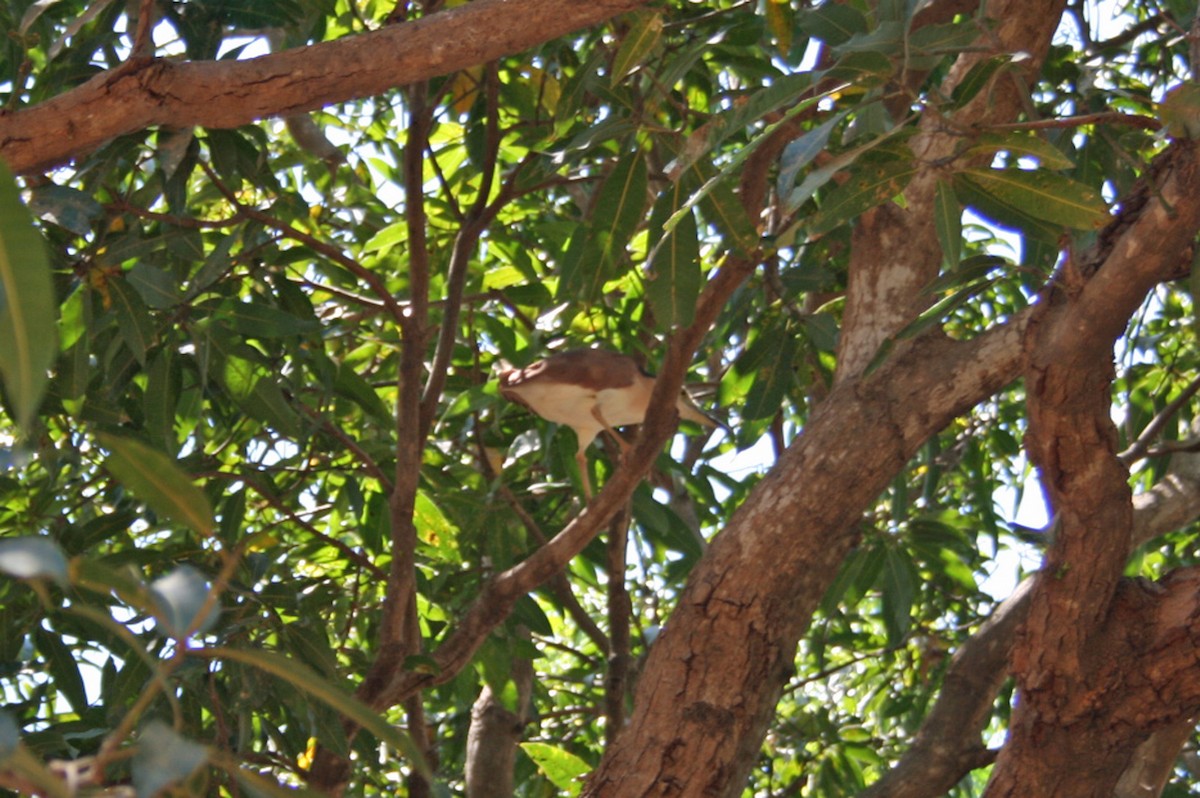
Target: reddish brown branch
(223,94)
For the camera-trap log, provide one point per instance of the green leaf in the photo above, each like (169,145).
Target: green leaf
(898,589)
(160,400)
(63,669)
(163,758)
(258,320)
(1044,195)
(947,222)
(1021,143)
(773,380)
(27,306)
(597,248)
(157,480)
(643,36)
(563,768)
(832,23)
(67,207)
(157,287)
(33,558)
(800,152)
(870,184)
(674,279)
(180,596)
(949,37)
(301,676)
(977,78)
(133,318)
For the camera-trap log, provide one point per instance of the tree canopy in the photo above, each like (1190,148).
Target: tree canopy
(267,526)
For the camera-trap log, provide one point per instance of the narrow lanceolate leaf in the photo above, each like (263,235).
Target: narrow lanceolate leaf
(310,683)
(673,279)
(27,308)
(947,222)
(133,318)
(595,251)
(1044,195)
(643,36)
(1022,143)
(156,479)
(871,184)
(774,378)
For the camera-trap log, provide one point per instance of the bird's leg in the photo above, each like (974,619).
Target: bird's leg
(596,414)
(581,459)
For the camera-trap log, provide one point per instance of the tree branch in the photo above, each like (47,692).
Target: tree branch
(224,94)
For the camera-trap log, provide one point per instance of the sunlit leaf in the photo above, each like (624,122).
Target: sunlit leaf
(563,768)
(1042,194)
(1022,144)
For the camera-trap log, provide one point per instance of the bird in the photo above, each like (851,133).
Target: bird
(591,391)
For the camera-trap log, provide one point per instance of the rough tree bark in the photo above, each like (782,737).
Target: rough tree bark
(1101,662)
(711,681)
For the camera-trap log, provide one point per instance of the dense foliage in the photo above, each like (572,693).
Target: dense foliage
(269,461)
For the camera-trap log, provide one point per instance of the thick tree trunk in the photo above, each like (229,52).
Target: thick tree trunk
(712,679)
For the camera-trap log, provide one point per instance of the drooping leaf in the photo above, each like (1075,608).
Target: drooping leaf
(645,31)
(27,307)
(673,280)
(133,318)
(63,668)
(773,380)
(156,479)
(947,222)
(898,591)
(597,248)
